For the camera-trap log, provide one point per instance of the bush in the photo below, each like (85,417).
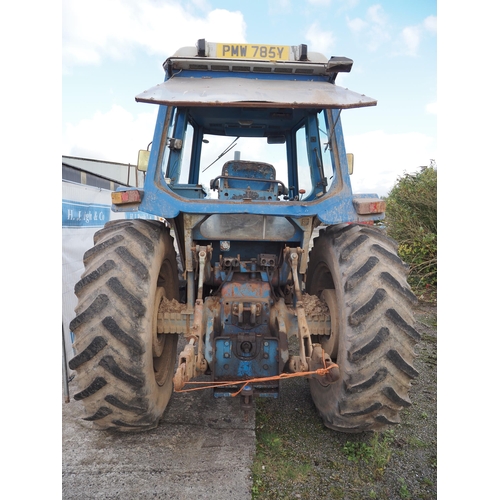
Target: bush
(411,219)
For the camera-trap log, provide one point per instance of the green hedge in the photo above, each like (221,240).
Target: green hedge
(411,219)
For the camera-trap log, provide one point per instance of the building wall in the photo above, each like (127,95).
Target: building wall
(86,207)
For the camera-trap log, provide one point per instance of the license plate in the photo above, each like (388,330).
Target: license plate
(248,51)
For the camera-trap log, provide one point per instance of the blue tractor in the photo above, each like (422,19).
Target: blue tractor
(262,260)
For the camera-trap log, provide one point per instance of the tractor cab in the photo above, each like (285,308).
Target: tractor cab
(256,105)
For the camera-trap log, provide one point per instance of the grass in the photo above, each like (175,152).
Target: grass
(417,443)
(403,490)
(297,457)
(376,451)
(288,461)
(275,463)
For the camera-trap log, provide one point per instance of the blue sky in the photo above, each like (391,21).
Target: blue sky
(114,50)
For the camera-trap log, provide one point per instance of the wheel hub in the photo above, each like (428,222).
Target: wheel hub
(331,343)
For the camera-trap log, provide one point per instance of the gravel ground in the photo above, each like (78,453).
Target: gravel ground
(190,455)
(297,457)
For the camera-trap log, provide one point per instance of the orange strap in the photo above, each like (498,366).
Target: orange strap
(211,385)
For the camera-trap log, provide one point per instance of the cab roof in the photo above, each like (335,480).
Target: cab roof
(246,75)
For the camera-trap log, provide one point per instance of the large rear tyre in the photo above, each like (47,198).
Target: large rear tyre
(356,270)
(124,369)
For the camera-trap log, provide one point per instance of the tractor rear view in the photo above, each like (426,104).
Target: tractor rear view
(246,163)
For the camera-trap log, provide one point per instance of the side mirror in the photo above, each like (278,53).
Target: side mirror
(143,160)
(350,163)
(276,139)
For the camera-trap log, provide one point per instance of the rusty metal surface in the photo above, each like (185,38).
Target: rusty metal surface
(247,227)
(246,92)
(365,206)
(177,322)
(305,343)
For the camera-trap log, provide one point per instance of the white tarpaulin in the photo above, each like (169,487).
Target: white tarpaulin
(85,210)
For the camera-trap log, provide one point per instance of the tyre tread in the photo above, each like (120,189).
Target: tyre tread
(97,384)
(96,345)
(111,366)
(115,372)
(380,338)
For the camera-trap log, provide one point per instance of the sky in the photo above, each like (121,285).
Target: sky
(114,50)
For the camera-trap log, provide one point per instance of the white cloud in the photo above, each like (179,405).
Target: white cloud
(431,108)
(378,33)
(380,158)
(339,5)
(319,40)
(344,5)
(411,36)
(321,3)
(200,5)
(94,30)
(356,25)
(279,7)
(430,24)
(377,38)
(112,136)
(376,15)
(373,29)
(411,39)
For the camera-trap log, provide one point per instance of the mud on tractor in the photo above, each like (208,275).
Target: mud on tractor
(264,262)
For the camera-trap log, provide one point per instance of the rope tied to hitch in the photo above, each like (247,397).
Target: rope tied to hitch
(212,385)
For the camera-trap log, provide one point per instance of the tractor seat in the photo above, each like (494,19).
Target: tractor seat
(248,180)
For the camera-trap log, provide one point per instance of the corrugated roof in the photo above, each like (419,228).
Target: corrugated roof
(121,173)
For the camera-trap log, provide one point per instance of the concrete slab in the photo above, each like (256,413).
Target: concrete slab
(203,448)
